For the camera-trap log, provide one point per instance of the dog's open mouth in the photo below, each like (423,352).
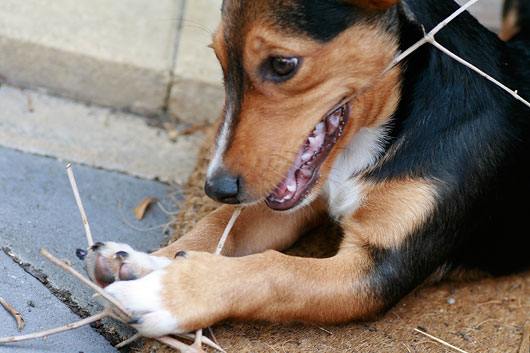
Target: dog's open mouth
(304,172)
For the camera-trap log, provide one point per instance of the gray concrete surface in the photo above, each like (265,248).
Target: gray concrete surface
(99,137)
(114,53)
(197,92)
(40,310)
(38,210)
(488,12)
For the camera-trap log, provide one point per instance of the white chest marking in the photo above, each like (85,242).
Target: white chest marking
(343,189)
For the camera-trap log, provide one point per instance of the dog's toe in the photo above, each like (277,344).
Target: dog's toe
(109,262)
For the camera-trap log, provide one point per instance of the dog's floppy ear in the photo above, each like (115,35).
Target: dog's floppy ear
(373,4)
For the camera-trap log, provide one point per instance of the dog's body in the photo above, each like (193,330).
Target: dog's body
(423,168)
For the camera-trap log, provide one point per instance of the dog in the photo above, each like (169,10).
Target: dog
(422,167)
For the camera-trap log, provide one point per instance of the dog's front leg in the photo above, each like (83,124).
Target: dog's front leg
(200,289)
(257,229)
(384,255)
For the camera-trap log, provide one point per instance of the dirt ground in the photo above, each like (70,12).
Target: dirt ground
(483,315)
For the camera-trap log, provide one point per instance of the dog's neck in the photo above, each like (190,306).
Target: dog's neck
(437,92)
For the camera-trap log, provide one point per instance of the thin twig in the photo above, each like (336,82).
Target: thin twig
(429,38)
(515,94)
(197,343)
(213,337)
(440,341)
(431,33)
(205,340)
(408,349)
(128,340)
(79,204)
(525,342)
(326,331)
(123,314)
(215,345)
(15,313)
(221,244)
(86,281)
(183,347)
(53,331)
(199,339)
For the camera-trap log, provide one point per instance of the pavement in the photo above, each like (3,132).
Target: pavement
(41,310)
(38,210)
(143,56)
(113,88)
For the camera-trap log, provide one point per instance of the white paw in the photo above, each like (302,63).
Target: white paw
(109,262)
(142,300)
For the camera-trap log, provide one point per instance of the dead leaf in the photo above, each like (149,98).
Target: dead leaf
(139,211)
(193,129)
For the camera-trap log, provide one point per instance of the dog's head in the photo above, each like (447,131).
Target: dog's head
(290,69)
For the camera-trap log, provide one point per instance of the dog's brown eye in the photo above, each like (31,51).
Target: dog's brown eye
(284,66)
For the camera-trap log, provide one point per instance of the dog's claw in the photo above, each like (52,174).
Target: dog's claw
(183,254)
(96,246)
(80,253)
(121,255)
(135,321)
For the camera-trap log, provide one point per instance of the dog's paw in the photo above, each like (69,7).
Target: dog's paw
(181,297)
(142,300)
(109,262)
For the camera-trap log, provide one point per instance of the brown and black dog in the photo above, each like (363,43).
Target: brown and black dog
(423,169)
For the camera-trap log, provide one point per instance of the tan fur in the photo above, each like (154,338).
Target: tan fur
(509,25)
(274,286)
(287,114)
(257,229)
(270,286)
(219,47)
(391,211)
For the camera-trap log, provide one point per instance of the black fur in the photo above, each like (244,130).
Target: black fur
(453,128)
(320,20)
(468,137)
(456,130)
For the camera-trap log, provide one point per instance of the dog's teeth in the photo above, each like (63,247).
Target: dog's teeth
(306,173)
(287,197)
(316,141)
(291,187)
(333,120)
(320,127)
(306,156)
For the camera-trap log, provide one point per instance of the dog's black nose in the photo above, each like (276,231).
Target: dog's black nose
(223,187)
